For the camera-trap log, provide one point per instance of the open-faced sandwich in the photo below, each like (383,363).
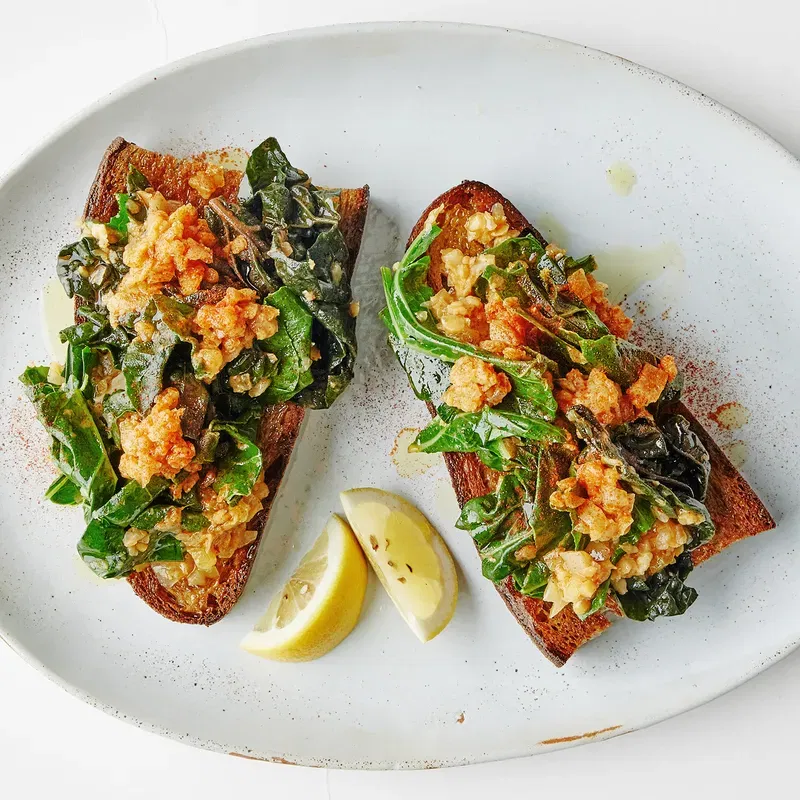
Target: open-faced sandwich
(204,326)
(589,489)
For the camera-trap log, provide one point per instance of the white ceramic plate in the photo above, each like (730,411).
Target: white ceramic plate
(412,109)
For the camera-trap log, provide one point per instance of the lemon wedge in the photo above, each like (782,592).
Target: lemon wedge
(408,555)
(319,605)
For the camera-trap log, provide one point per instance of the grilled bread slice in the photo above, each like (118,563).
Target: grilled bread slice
(280,423)
(733,505)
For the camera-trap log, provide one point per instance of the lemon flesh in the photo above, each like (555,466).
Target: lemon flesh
(319,605)
(408,555)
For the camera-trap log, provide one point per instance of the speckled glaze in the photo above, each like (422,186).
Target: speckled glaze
(398,106)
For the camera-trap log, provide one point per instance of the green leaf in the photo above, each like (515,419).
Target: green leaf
(194,400)
(532,580)
(643,520)
(497,558)
(599,600)
(102,549)
(406,293)
(75,263)
(64,492)
(77,444)
(268,164)
(119,222)
(489,516)
(192,521)
(663,594)
(479,431)
(239,469)
(130,501)
(428,376)
(136,181)
(655,492)
(291,346)
(143,363)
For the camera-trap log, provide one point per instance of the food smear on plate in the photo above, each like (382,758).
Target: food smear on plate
(319,605)
(626,268)
(409,464)
(621,178)
(581,477)
(57,313)
(730,416)
(409,557)
(198,317)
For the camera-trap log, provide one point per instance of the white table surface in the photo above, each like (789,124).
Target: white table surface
(741,52)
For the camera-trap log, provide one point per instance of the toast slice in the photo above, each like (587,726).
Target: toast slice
(280,424)
(734,507)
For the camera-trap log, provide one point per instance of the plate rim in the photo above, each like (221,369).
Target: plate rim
(775,654)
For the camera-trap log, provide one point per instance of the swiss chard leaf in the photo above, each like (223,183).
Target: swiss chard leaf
(75,263)
(239,469)
(599,600)
(135,181)
(130,501)
(102,549)
(63,491)
(453,432)
(407,292)
(654,491)
(144,361)
(643,520)
(119,222)
(77,444)
(663,594)
(194,401)
(291,346)
(95,331)
(427,376)
(268,164)
(489,516)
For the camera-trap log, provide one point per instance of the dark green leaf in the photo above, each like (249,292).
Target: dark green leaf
(239,469)
(599,600)
(136,181)
(75,262)
(490,516)
(268,164)
(643,520)
(193,400)
(130,501)
(291,346)
(64,492)
(102,549)
(473,432)
(78,446)
(532,580)
(192,521)
(654,491)
(144,362)
(661,595)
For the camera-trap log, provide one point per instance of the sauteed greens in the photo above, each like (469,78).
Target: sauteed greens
(597,498)
(188,323)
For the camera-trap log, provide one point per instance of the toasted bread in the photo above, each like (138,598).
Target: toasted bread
(736,510)
(280,424)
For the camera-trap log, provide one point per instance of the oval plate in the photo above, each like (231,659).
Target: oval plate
(413,109)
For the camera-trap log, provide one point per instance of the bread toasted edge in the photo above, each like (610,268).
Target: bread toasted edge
(280,424)
(735,508)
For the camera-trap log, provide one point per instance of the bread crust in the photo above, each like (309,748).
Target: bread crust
(280,424)
(734,506)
